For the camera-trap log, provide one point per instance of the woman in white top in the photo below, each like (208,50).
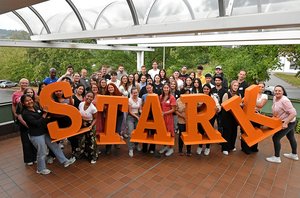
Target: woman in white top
(134,110)
(123,88)
(87,142)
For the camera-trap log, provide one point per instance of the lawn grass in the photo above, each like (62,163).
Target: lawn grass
(290,78)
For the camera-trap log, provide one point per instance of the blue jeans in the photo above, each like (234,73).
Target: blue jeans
(41,142)
(131,124)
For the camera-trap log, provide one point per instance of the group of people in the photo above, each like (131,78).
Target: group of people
(33,118)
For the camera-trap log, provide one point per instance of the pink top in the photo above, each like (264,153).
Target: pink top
(282,108)
(16,97)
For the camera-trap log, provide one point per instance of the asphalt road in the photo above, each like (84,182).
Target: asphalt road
(292,91)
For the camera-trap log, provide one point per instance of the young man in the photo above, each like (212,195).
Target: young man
(152,72)
(105,75)
(200,75)
(208,80)
(143,72)
(121,72)
(219,71)
(84,79)
(219,92)
(52,77)
(69,74)
(242,83)
(114,79)
(183,75)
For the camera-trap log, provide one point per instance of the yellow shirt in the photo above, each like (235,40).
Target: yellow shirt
(202,78)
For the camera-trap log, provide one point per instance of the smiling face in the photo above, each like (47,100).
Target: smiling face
(80,90)
(149,89)
(124,79)
(235,87)
(166,89)
(23,83)
(59,93)
(89,97)
(29,92)
(28,102)
(278,92)
(206,90)
(110,89)
(103,83)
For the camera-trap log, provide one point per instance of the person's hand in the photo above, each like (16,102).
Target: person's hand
(284,125)
(45,109)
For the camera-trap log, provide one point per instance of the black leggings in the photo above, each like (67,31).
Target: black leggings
(289,133)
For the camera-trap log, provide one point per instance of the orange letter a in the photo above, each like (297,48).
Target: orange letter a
(158,124)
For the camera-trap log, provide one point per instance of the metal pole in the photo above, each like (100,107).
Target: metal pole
(164,57)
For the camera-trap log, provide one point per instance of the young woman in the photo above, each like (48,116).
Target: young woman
(87,142)
(112,90)
(79,95)
(197,86)
(102,86)
(132,83)
(283,109)
(188,83)
(29,151)
(228,121)
(149,88)
(134,110)
(207,91)
(163,76)
(174,90)
(180,112)
(168,105)
(192,75)
(123,88)
(157,85)
(37,120)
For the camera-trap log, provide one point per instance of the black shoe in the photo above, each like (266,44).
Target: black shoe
(246,151)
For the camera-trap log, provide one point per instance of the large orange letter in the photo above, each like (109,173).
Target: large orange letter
(46,100)
(140,134)
(252,134)
(109,135)
(192,136)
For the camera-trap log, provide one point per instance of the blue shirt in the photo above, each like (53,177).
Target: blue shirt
(49,80)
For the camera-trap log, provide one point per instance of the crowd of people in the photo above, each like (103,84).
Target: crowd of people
(33,118)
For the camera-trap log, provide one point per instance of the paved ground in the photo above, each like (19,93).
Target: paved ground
(292,91)
(118,175)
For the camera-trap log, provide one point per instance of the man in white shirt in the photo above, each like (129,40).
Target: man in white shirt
(152,72)
(114,79)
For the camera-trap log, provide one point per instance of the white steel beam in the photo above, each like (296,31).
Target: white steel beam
(232,23)
(38,44)
(225,43)
(279,35)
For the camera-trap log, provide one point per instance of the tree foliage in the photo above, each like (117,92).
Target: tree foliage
(34,63)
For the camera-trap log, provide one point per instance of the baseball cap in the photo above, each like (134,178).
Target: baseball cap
(218,76)
(219,67)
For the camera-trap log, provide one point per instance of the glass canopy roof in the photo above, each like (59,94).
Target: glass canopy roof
(64,17)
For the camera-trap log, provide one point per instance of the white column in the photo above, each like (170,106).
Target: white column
(139,60)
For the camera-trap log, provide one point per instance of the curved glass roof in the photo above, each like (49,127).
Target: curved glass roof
(144,17)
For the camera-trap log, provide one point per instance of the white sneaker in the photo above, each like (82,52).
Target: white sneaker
(225,152)
(206,151)
(50,160)
(130,153)
(291,156)
(233,150)
(69,162)
(169,152)
(273,159)
(93,161)
(151,152)
(163,149)
(29,163)
(44,172)
(199,150)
